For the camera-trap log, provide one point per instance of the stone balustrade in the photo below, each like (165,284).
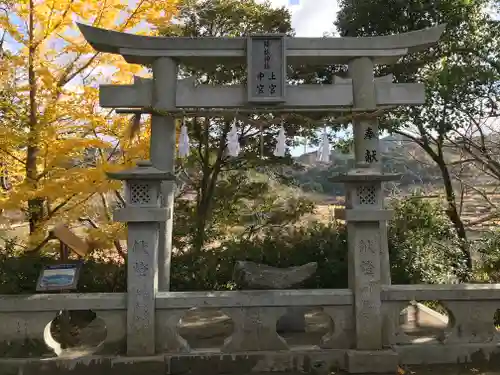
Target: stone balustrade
(471,309)
(25,319)
(255,314)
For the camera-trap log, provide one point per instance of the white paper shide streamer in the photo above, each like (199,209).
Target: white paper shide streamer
(233,142)
(183,142)
(324,149)
(280,148)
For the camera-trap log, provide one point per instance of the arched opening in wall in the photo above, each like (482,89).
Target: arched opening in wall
(75,332)
(205,328)
(304,326)
(425,321)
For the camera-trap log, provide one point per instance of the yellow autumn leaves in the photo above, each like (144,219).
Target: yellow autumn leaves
(72,139)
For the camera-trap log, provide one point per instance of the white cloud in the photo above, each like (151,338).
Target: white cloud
(310,18)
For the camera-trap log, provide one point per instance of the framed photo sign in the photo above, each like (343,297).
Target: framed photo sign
(58,277)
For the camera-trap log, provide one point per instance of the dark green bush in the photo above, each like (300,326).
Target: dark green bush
(487,250)
(423,246)
(324,244)
(19,273)
(421,243)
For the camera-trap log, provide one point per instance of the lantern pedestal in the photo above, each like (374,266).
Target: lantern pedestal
(143,214)
(369,266)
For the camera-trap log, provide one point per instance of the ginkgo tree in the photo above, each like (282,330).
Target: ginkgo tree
(55,141)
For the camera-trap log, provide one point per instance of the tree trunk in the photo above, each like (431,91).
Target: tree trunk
(451,209)
(207,186)
(456,220)
(36,205)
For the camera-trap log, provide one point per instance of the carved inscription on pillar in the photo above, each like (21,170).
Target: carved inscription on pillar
(368,141)
(141,269)
(266,68)
(141,310)
(141,288)
(367,268)
(367,246)
(367,285)
(140,247)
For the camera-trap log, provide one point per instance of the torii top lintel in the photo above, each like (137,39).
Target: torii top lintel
(144,49)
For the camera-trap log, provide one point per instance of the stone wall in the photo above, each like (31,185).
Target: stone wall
(470,334)
(25,322)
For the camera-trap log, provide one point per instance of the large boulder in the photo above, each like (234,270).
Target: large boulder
(260,276)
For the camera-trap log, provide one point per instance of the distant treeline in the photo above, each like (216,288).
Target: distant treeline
(413,172)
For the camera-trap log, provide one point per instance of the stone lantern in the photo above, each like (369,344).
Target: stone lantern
(143,214)
(364,203)
(368,261)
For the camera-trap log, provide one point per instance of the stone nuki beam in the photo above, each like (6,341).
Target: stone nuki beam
(145,49)
(303,97)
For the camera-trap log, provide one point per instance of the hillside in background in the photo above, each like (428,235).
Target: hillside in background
(399,155)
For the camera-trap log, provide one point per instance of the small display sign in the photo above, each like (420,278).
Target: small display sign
(58,277)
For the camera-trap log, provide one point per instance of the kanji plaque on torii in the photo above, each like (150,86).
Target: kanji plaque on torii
(266,69)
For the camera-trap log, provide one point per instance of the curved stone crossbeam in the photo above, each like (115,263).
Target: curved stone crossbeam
(144,49)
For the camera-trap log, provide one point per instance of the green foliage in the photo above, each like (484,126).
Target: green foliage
(488,250)
(460,74)
(213,269)
(19,274)
(245,201)
(422,244)
(317,178)
(219,185)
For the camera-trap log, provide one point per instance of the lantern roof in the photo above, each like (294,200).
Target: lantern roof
(143,171)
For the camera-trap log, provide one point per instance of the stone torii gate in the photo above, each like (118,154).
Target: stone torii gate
(266,58)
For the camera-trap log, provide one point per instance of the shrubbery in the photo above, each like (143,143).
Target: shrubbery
(487,251)
(321,243)
(421,241)
(423,246)
(19,273)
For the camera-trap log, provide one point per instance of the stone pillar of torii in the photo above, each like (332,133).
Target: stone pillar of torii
(267,57)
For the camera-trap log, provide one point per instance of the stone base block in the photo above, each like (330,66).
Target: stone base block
(432,354)
(371,362)
(313,362)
